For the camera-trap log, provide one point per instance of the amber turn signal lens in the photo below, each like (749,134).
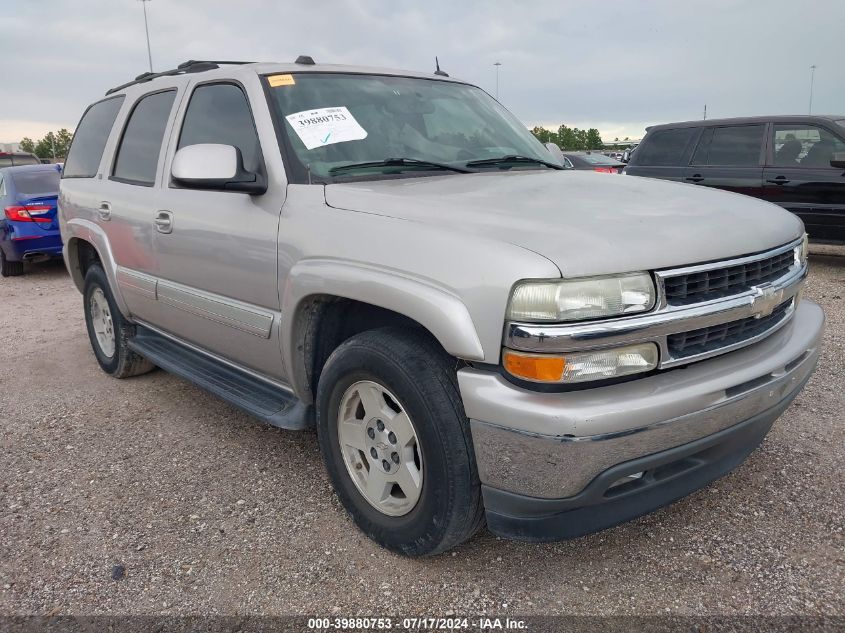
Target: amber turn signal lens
(532,367)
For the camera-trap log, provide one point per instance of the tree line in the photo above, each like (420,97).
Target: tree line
(54,145)
(572,139)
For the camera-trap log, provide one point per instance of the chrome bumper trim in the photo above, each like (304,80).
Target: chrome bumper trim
(657,326)
(551,445)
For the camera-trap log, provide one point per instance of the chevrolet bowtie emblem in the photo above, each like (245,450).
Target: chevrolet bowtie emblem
(765,301)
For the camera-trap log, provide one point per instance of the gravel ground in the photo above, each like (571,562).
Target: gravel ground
(147,496)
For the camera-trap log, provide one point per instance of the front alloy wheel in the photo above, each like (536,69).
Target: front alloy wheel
(380,448)
(396,441)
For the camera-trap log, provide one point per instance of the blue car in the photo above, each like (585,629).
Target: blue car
(29,226)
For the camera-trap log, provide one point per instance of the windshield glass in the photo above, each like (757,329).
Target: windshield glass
(32,182)
(598,159)
(10,160)
(333,120)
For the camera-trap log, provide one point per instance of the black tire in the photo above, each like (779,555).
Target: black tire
(410,364)
(9,268)
(124,362)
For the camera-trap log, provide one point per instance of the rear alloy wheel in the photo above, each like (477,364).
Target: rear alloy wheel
(108,331)
(396,442)
(9,269)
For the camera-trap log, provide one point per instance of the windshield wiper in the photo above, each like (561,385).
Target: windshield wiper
(399,162)
(512,158)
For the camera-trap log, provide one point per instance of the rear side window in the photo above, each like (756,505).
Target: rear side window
(664,147)
(137,156)
(90,138)
(219,113)
(738,145)
(32,182)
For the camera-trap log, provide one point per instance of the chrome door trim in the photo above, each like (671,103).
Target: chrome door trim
(216,308)
(139,283)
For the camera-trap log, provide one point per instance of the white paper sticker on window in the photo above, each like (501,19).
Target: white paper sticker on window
(325,126)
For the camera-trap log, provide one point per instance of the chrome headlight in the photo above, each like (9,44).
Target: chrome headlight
(802,251)
(581,299)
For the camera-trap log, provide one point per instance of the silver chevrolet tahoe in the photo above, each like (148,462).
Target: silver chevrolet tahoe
(477,335)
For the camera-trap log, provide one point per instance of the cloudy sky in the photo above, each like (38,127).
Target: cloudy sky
(618,65)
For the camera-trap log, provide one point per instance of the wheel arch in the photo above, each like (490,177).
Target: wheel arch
(326,301)
(86,243)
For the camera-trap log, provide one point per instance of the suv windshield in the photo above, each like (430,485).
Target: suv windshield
(333,122)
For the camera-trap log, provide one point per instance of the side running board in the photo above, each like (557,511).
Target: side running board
(258,398)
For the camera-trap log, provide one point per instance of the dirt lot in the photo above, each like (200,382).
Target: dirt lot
(149,496)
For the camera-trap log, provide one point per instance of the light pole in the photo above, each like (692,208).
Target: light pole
(147,31)
(497,64)
(812,77)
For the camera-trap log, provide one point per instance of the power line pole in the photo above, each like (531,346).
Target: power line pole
(147,31)
(705,111)
(497,64)
(812,77)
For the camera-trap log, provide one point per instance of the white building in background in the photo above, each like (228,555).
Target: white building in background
(10,147)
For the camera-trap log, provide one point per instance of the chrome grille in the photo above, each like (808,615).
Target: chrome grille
(703,340)
(716,283)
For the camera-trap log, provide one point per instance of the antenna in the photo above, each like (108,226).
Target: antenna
(438,71)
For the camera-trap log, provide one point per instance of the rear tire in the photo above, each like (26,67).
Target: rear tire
(419,423)
(8,268)
(108,330)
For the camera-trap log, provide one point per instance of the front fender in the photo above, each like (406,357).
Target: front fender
(434,307)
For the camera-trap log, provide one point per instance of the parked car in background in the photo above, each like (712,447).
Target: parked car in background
(592,161)
(29,229)
(12,159)
(797,162)
(477,333)
(626,155)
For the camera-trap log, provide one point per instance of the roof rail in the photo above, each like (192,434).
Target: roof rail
(190,66)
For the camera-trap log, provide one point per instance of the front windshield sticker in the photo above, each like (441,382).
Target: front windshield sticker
(326,126)
(281,80)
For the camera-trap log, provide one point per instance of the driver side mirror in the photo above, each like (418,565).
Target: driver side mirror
(214,166)
(838,160)
(555,151)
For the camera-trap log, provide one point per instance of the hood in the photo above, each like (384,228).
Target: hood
(586,223)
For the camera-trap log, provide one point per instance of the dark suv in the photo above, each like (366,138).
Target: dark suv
(797,162)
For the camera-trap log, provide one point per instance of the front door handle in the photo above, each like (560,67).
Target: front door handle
(104,211)
(780,180)
(164,222)
(695,178)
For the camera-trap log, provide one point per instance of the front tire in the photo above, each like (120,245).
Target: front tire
(8,268)
(108,330)
(396,442)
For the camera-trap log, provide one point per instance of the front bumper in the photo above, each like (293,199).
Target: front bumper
(541,455)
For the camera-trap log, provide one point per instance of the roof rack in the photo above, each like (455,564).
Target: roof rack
(190,66)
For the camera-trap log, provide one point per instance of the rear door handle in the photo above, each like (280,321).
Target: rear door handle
(164,222)
(780,180)
(695,178)
(104,211)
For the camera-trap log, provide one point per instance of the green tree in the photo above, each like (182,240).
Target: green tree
(53,145)
(566,138)
(27,145)
(594,139)
(543,135)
